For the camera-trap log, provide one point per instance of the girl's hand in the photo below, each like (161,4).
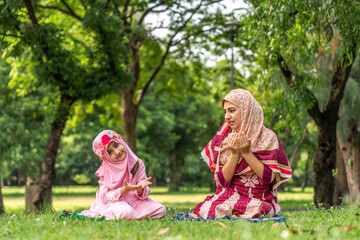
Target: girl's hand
(142,185)
(129,187)
(139,186)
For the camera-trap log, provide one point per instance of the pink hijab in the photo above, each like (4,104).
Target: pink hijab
(113,173)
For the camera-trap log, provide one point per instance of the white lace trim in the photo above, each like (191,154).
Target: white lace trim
(110,196)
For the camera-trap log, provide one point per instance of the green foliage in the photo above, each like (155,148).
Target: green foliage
(63,54)
(177,121)
(81,179)
(23,128)
(301,32)
(321,224)
(56,56)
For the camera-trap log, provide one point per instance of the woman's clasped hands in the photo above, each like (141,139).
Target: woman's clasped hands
(239,143)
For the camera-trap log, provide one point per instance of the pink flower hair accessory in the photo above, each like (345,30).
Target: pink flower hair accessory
(102,141)
(113,172)
(105,139)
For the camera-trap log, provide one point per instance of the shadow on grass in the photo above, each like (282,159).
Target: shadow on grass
(84,194)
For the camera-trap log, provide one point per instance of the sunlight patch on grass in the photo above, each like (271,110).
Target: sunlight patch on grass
(295,196)
(69,198)
(60,203)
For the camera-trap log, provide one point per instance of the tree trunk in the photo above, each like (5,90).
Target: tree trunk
(325,159)
(350,150)
(178,161)
(42,199)
(341,185)
(20,178)
(297,148)
(2,210)
(176,168)
(326,152)
(129,112)
(306,171)
(287,135)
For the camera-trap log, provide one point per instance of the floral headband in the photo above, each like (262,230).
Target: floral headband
(105,139)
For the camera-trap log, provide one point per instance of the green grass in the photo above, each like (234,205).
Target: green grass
(310,223)
(81,197)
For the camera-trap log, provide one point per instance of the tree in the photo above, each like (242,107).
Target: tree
(129,23)
(51,46)
(292,35)
(186,112)
(180,13)
(22,128)
(348,134)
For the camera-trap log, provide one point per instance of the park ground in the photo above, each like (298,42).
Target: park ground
(304,221)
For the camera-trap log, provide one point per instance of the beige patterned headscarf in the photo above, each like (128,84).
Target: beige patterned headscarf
(265,145)
(252,120)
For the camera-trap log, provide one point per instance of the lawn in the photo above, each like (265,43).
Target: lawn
(81,197)
(309,223)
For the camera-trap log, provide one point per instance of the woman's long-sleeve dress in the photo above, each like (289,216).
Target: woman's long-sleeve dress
(246,195)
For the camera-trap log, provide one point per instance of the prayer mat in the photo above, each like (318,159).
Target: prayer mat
(186,217)
(68,215)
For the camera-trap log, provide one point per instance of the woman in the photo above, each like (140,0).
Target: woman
(248,162)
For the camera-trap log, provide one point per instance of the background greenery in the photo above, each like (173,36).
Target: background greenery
(86,52)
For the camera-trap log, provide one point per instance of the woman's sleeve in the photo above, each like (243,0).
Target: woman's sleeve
(105,195)
(141,175)
(220,179)
(267,175)
(275,163)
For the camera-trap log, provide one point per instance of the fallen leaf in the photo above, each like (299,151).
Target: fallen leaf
(270,9)
(221,224)
(289,214)
(357,214)
(297,225)
(351,226)
(275,225)
(294,231)
(162,231)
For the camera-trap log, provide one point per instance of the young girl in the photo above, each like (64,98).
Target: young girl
(123,184)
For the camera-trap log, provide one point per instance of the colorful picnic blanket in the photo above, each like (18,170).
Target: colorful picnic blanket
(180,217)
(186,217)
(68,215)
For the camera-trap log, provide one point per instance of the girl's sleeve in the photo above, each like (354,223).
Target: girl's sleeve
(141,175)
(104,195)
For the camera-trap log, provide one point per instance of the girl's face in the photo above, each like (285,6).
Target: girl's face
(116,151)
(232,115)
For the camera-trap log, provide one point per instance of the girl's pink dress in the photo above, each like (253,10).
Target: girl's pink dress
(109,202)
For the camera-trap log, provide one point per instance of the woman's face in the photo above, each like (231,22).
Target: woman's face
(232,115)
(116,151)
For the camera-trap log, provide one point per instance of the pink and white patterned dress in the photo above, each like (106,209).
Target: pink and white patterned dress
(246,195)
(112,205)
(109,201)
